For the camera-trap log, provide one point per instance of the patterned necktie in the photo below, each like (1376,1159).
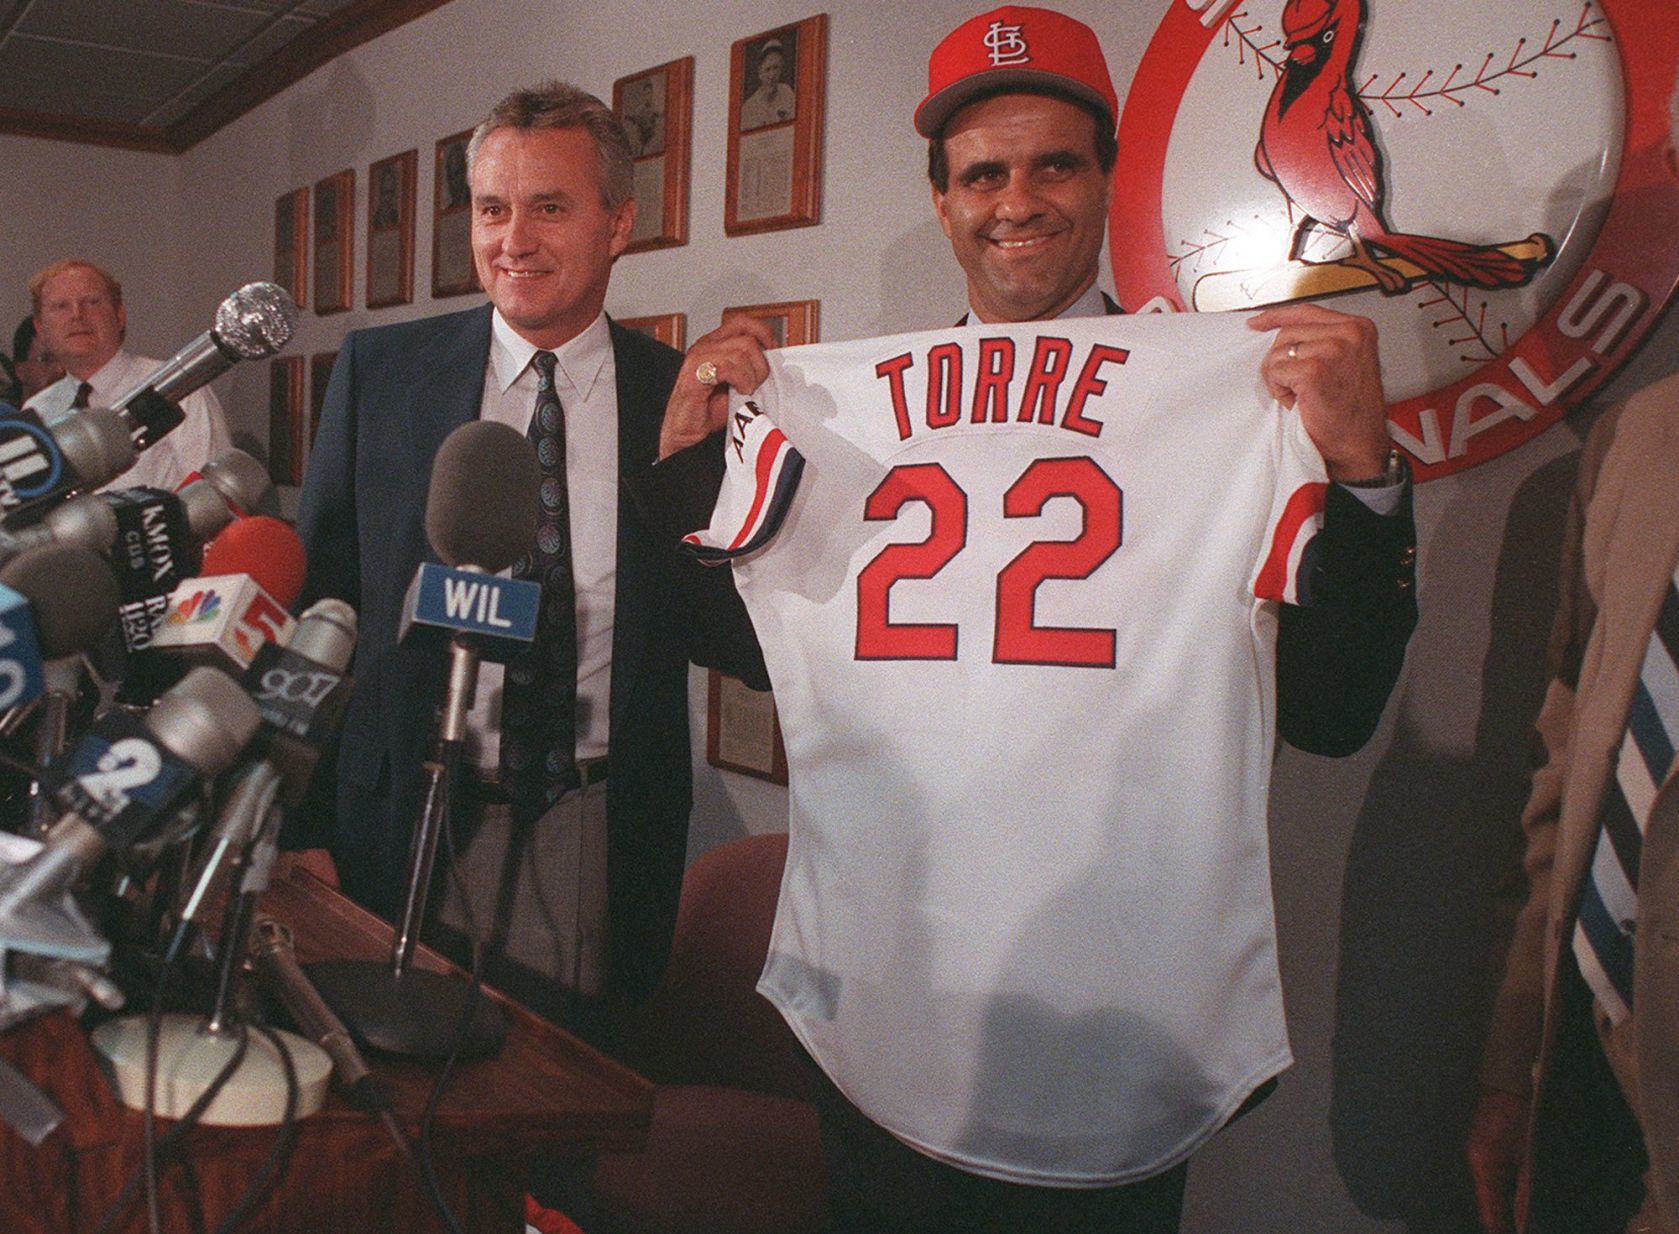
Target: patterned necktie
(1609,900)
(84,393)
(539,692)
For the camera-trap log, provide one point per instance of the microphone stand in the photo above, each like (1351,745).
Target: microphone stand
(52,728)
(398,1007)
(192,1051)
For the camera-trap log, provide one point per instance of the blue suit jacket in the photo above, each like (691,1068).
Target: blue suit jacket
(396,392)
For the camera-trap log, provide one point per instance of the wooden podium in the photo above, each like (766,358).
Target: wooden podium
(545,1093)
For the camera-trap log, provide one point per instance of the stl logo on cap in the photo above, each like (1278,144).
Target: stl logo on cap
(1007,44)
(1016,47)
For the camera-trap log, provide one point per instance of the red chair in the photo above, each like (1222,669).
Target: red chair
(734,1146)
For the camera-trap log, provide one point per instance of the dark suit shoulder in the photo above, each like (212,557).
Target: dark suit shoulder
(409,337)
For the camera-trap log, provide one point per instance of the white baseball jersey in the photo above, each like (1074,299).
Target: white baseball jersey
(1011,586)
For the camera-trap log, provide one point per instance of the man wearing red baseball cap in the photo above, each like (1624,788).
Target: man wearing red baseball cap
(1020,115)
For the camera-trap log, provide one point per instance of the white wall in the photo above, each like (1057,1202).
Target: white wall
(118,208)
(1383,862)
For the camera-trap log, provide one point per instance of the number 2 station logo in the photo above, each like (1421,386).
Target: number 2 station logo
(1488,182)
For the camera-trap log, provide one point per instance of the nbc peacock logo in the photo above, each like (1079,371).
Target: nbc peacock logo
(199,607)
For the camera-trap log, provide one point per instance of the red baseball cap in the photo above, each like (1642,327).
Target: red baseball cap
(1014,46)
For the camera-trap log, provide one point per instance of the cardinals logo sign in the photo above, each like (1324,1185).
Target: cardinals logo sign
(1494,184)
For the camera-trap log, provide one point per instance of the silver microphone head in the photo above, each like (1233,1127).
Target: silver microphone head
(85,522)
(205,719)
(206,509)
(256,321)
(96,443)
(326,634)
(240,478)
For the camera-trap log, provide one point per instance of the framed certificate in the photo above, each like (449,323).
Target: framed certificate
(291,243)
(335,241)
(287,419)
(657,108)
(390,230)
(777,83)
(671,329)
(743,732)
(452,272)
(791,321)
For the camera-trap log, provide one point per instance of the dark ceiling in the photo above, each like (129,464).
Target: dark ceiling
(165,74)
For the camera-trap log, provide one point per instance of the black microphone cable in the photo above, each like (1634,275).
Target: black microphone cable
(285,1139)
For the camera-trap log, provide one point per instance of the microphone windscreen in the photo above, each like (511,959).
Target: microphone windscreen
(240,479)
(96,443)
(71,592)
(264,548)
(256,321)
(481,507)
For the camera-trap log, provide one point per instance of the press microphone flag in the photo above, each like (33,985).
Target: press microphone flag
(499,612)
(119,781)
(40,465)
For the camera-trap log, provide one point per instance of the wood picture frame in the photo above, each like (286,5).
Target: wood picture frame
(291,244)
(777,88)
(320,373)
(656,107)
(671,329)
(389,277)
(792,321)
(288,419)
(335,242)
(452,271)
(743,731)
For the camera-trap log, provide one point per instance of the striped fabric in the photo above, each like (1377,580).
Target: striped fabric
(1609,901)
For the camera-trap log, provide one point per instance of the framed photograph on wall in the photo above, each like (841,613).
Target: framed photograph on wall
(287,416)
(390,230)
(452,273)
(320,373)
(743,732)
(335,241)
(291,243)
(777,83)
(791,321)
(657,109)
(671,329)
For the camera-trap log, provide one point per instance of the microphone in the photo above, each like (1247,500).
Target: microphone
(267,549)
(71,602)
(20,651)
(224,619)
(480,518)
(253,322)
(39,465)
(300,690)
(241,479)
(275,961)
(119,781)
(90,521)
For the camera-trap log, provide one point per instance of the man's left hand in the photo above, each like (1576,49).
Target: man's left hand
(1324,365)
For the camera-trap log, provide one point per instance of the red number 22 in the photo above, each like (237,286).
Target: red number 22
(1019,639)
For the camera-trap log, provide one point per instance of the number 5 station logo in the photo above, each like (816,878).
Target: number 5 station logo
(1491,183)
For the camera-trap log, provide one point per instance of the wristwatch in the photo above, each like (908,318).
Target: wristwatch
(1397,471)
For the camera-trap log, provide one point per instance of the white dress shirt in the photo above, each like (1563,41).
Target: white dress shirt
(586,380)
(186,448)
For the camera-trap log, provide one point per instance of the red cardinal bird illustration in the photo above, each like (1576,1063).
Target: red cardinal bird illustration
(1315,143)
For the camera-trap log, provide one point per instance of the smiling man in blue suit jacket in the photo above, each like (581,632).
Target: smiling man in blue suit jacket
(551,210)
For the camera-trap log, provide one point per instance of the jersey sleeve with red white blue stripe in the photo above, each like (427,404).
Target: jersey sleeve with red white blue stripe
(1296,517)
(759,480)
